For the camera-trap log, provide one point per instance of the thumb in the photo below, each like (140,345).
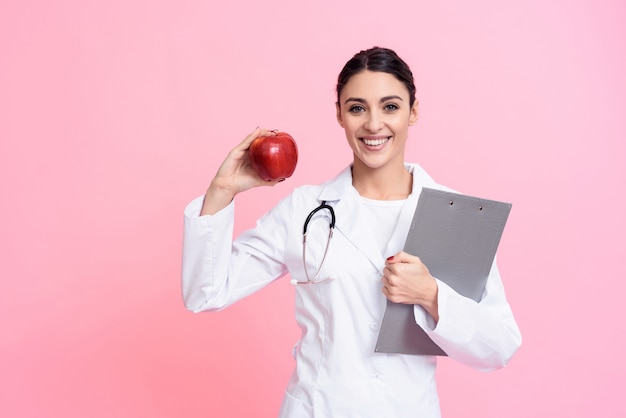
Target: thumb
(401,257)
(396,258)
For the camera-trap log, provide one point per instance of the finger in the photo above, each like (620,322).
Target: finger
(245,144)
(258,132)
(400,257)
(392,262)
(386,292)
(272,182)
(392,276)
(385,278)
(268,132)
(403,257)
(392,259)
(389,278)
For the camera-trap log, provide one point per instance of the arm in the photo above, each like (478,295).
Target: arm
(215,270)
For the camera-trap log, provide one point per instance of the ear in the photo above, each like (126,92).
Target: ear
(339,118)
(413,115)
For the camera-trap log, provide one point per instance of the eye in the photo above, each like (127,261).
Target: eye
(356,109)
(391,107)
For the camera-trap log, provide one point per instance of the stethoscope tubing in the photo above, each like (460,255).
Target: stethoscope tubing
(313,280)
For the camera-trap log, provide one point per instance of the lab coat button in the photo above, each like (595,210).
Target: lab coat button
(374,375)
(374,326)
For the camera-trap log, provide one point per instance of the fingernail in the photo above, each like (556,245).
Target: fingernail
(390,258)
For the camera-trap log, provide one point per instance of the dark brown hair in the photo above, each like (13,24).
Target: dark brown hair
(378,59)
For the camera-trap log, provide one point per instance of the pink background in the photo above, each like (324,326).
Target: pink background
(114,114)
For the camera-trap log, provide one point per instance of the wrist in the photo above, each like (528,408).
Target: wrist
(216,198)
(431,303)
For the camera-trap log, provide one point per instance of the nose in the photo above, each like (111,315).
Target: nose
(374,122)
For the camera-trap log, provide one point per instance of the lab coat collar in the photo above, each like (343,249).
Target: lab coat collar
(341,186)
(345,200)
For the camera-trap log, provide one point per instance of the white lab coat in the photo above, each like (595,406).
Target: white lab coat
(337,372)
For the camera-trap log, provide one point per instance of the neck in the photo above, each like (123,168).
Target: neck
(385,183)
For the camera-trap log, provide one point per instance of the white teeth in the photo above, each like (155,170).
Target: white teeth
(375,142)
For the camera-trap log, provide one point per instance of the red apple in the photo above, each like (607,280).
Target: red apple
(274,157)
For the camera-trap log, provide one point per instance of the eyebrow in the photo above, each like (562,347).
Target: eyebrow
(383,99)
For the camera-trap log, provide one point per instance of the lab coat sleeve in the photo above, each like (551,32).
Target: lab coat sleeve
(217,270)
(482,335)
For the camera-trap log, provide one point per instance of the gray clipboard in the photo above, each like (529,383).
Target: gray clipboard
(456,236)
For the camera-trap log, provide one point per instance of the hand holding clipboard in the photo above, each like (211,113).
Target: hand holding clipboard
(456,237)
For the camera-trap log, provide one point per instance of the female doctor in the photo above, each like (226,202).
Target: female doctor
(344,280)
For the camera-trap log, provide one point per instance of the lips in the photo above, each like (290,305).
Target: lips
(375,141)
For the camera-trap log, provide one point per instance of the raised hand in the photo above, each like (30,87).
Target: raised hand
(234,176)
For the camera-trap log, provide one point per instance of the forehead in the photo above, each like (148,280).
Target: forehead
(372,85)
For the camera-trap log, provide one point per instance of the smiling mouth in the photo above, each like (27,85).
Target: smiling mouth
(375,142)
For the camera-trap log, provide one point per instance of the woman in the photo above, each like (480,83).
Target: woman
(339,310)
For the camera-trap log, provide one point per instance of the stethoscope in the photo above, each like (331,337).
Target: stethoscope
(309,279)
